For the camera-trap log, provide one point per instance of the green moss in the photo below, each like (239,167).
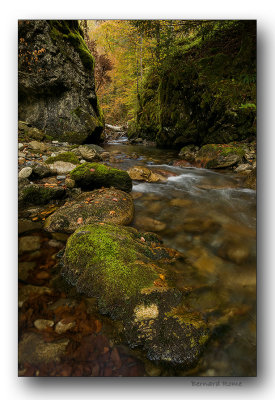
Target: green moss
(67,156)
(71,32)
(34,194)
(105,260)
(95,175)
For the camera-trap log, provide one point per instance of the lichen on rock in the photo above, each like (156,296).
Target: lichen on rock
(102,205)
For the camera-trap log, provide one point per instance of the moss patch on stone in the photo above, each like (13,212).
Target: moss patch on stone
(95,175)
(70,31)
(67,156)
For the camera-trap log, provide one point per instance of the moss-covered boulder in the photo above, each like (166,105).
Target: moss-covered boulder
(56,81)
(221,155)
(93,175)
(102,205)
(128,273)
(38,194)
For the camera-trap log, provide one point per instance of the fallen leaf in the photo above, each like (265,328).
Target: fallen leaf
(142,239)
(80,220)
(112,212)
(162,277)
(114,199)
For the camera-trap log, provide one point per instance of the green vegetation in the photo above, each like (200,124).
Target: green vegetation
(109,263)
(71,32)
(94,175)
(67,156)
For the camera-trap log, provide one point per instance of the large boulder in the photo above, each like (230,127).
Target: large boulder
(102,205)
(93,175)
(127,272)
(56,81)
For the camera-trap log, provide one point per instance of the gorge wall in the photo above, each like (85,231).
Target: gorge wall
(56,89)
(204,91)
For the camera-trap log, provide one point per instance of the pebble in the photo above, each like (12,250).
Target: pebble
(55,141)
(42,324)
(21,154)
(25,172)
(61,177)
(82,161)
(44,158)
(20,146)
(62,327)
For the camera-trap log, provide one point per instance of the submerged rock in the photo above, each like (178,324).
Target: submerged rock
(127,272)
(32,349)
(102,205)
(94,175)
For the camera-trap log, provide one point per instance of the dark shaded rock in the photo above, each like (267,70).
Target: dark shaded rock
(103,205)
(37,194)
(56,81)
(93,175)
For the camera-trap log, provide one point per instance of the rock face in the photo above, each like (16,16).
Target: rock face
(103,205)
(56,81)
(126,271)
(93,175)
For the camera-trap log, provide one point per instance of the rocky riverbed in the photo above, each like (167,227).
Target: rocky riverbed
(177,301)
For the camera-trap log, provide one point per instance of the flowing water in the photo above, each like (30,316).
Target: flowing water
(210,217)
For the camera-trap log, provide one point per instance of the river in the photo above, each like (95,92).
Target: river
(211,218)
(207,215)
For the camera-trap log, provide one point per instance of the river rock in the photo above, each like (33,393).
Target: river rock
(102,205)
(141,173)
(27,291)
(61,167)
(56,86)
(41,170)
(63,326)
(33,350)
(94,175)
(126,271)
(29,243)
(89,154)
(38,194)
(43,324)
(25,172)
(38,146)
(244,168)
(251,179)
